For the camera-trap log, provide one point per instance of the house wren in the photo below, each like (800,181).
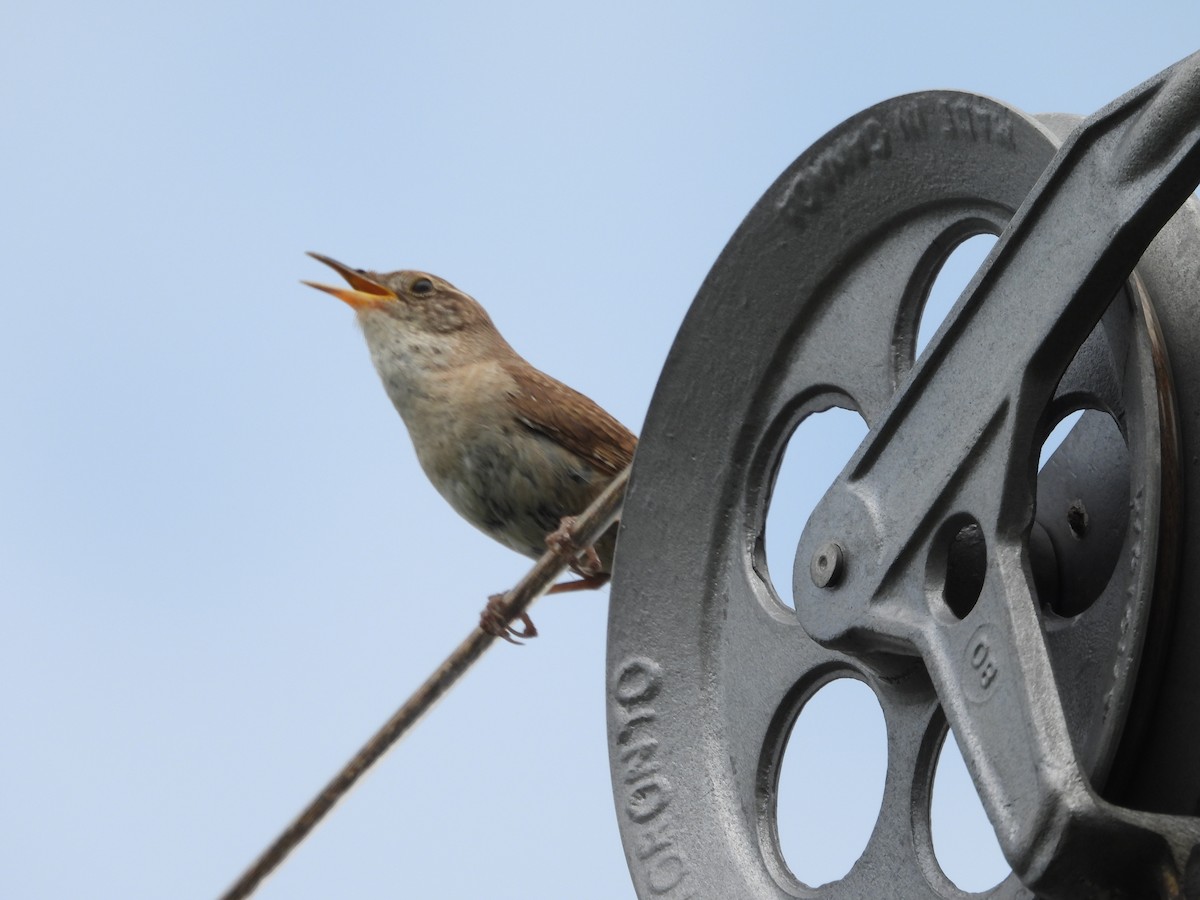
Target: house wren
(514,451)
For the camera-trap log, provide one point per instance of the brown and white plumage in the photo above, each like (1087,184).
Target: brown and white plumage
(513,450)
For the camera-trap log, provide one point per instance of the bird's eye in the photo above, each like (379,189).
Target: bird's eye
(422,286)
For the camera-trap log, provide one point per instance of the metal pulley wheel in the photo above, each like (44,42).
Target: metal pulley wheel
(1049,619)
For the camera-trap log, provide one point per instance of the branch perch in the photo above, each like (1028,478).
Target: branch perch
(585,532)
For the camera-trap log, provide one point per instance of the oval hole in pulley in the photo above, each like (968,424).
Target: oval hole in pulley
(830,787)
(952,277)
(815,455)
(963,840)
(957,564)
(1082,514)
(1057,435)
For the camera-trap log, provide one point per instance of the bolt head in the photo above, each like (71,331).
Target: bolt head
(827,564)
(1077,518)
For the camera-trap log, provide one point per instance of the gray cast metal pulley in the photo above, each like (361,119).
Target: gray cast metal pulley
(1049,619)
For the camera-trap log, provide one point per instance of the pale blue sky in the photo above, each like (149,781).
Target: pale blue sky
(220,567)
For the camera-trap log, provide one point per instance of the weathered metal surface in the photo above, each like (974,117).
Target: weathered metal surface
(814,303)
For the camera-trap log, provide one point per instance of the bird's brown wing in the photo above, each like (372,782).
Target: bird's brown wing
(571,420)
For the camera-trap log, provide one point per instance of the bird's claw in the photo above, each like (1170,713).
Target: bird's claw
(494,621)
(584,561)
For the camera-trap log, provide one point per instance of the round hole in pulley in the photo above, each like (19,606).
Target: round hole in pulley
(831,779)
(813,458)
(963,839)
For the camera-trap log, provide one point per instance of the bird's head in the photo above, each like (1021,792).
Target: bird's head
(415,303)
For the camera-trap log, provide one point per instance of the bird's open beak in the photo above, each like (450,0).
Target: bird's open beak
(366,294)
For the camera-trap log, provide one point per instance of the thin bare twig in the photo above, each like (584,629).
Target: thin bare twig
(586,530)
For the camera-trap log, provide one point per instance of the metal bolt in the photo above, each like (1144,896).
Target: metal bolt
(827,565)
(1077,518)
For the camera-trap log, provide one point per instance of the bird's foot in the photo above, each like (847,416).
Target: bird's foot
(587,583)
(583,560)
(494,621)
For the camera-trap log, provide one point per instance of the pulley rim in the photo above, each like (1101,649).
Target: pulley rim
(668,638)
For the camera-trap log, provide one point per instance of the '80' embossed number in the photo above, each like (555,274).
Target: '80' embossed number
(984,659)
